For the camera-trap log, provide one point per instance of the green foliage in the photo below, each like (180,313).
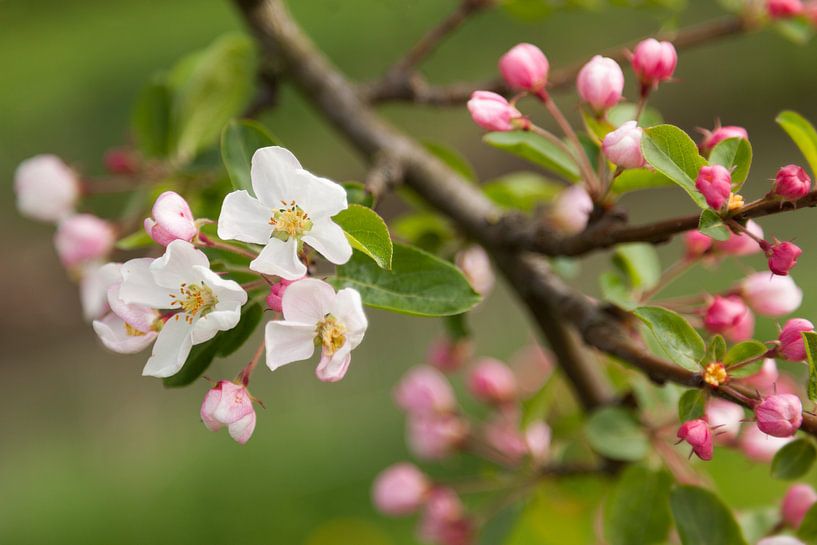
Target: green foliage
(426,230)
(674,334)
(240,138)
(808,528)
(736,155)
(150,119)
(796,29)
(673,153)
(356,194)
(521,191)
(716,350)
(712,225)
(744,352)
(692,405)
(537,150)
(625,111)
(614,432)
(134,241)
(794,460)
(637,179)
(418,283)
(803,134)
(810,343)
(702,519)
(635,269)
(453,159)
(367,232)
(637,511)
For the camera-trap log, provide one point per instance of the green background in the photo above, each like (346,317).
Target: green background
(91,452)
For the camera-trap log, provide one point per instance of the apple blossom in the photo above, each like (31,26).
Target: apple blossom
(759,446)
(118,336)
(172,220)
(779,415)
(792,347)
(83,238)
(783,9)
(424,390)
(47,189)
(571,209)
(729,316)
(475,264)
(792,182)
(724,418)
(229,404)
(538,436)
(623,145)
(503,435)
(93,288)
(494,113)
(444,521)
(198,302)
(798,500)
(696,244)
(771,295)
(492,381)
(525,68)
(532,367)
(719,134)
(448,355)
(316,316)
(276,294)
(654,61)
(783,257)
(434,437)
(698,435)
(400,490)
(715,184)
(764,380)
(291,206)
(742,244)
(600,83)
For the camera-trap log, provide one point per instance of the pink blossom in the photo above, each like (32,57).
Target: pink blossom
(448,354)
(715,184)
(434,437)
(503,435)
(492,381)
(623,145)
(771,295)
(742,244)
(783,257)
(764,380)
(698,435)
(724,418)
(537,437)
(798,500)
(600,83)
(276,294)
(46,188)
(758,446)
(444,521)
(229,404)
(654,61)
(731,317)
(492,112)
(792,347)
(783,9)
(400,489)
(719,134)
(172,219)
(475,264)
(525,68)
(696,244)
(571,210)
(532,367)
(83,238)
(779,415)
(792,182)
(424,390)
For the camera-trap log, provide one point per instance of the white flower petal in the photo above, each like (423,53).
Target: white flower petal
(348,308)
(242,430)
(229,293)
(333,368)
(175,267)
(111,331)
(281,259)
(288,342)
(139,287)
(272,168)
(244,218)
(307,301)
(140,317)
(171,349)
(205,328)
(318,197)
(93,288)
(330,241)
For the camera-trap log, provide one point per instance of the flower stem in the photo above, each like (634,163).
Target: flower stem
(204,240)
(247,371)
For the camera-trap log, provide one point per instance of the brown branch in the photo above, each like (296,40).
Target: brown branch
(385,173)
(417,90)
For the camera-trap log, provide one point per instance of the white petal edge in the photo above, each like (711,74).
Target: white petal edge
(113,335)
(139,287)
(348,308)
(175,267)
(330,241)
(307,301)
(288,342)
(244,218)
(279,258)
(171,349)
(271,172)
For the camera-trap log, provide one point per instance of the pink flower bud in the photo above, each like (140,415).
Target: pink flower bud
(758,446)
(765,379)
(474,262)
(400,490)
(623,145)
(444,521)
(697,434)
(729,316)
(276,293)
(779,415)
(83,238)
(696,244)
(506,440)
(715,137)
(791,341)
(525,68)
(600,83)
(229,404)
(798,500)
(434,437)
(715,184)
(492,112)
(424,390)
(792,182)
(172,220)
(492,381)
(448,355)
(783,257)
(571,210)
(121,161)
(724,418)
(538,436)
(47,189)
(742,244)
(654,61)
(771,295)
(532,367)
(783,9)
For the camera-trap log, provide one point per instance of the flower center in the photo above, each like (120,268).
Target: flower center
(331,334)
(194,299)
(715,374)
(132,331)
(290,221)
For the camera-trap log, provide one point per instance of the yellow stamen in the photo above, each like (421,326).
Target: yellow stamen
(331,334)
(132,331)
(735,201)
(715,374)
(195,299)
(290,221)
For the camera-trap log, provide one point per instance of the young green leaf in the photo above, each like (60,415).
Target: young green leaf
(150,120)
(625,111)
(810,343)
(712,225)
(367,232)
(674,334)
(139,239)
(536,149)
(803,134)
(744,351)
(239,141)
(637,179)
(716,350)
(673,153)
(794,460)
(356,194)
(640,263)
(613,432)
(808,528)
(418,283)
(702,519)
(521,191)
(453,159)
(637,511)
(692,405)
(736,155)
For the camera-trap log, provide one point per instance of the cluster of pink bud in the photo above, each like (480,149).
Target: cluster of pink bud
(525,68)
(782,256)
(475,264)
(231,405)
(779,415)
(798,500)
(449,355)
(172,220)
(47,189)
(698,435)
(571,210)
(492,381)
(83,238)
(791,342)
(719,134)
(494,113)
(623,146)
(730,317)
(792,183)
(600,83)
(770,295)
(783,9)
(715,184)
(654,62)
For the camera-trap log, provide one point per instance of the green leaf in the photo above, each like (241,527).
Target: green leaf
(744,351)
(736,155)
(637,511)
(758,523)
(453,159)
(702,519)
(674,334)
(692,405)
(810,343)
(793,460)
(536,149)
(796,29)
(239,141)
(212,87)
(366,232)
(716,350)
(418,283)
(222,345)
(616,289)
(499,526)
(637,179)
(356,194)
(613,432)
(712,225)
(139,239)
(150,120)
(521,191)
(803,134)
(623,112)
(808,528)
(427,230)
(674,154)
(639,261)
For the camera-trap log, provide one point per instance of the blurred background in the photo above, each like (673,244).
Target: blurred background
(91,452)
